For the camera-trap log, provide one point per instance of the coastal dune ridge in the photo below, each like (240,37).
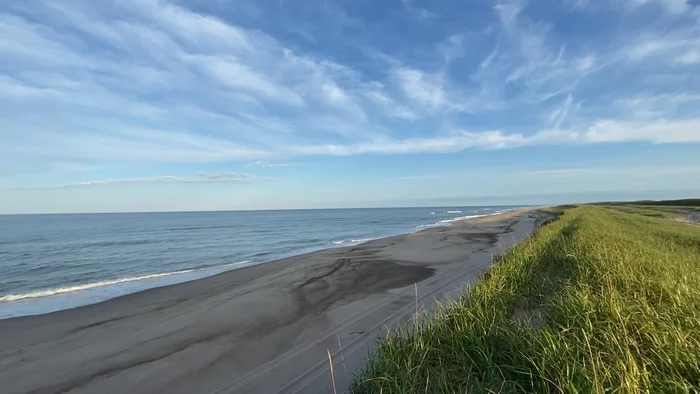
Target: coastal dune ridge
(262,328)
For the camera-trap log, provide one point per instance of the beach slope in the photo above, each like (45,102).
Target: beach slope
(267,328)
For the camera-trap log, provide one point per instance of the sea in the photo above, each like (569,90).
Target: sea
(54,262)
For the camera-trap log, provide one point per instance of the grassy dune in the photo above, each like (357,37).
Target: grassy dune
(689,202)
(604,299)
(658,209)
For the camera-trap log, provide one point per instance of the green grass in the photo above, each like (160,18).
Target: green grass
(676,209)
(688,202)
(600,300)
(651,211)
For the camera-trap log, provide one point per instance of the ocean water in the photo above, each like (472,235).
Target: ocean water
(54,262)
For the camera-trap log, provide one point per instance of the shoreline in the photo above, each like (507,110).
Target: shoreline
(44,301)
(256,329)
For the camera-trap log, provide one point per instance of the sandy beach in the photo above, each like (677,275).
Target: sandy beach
(261,329)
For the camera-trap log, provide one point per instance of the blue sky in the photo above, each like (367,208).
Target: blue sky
(140,105)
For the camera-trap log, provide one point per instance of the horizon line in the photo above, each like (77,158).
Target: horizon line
(273,210)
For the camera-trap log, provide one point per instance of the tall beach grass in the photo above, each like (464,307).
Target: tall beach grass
(603,299)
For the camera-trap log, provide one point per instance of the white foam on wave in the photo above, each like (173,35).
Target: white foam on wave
(351,242)
(447,222)
(51,300)
(425,226)
(454,211)
(61,290)
(460,218)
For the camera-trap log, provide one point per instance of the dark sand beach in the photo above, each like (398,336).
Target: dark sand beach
(261,329)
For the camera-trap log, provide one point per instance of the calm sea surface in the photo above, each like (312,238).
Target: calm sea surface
(54,262)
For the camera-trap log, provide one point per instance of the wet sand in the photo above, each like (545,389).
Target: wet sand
(261,329)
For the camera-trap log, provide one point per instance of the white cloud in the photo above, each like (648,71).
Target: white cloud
(376,94)
(129,144)
(672,6)
(229,75)
(527,59)
(651,107)
(10,88)
(204,177)
(228,71)
(417,12)
(152,81)
(338,98)
(486,63)
(586,63)
(659,132)
(428,92)
(581,4)
(603,131)
(564,173)
(334,94)
(189,149)
(390,106)
(269,164)
(559,114)
(678,45)
(460,140)
(669,6)
(508,13)
(690,57)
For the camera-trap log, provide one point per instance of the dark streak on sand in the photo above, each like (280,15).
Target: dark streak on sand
(339,283)
(200,336)
(316,294)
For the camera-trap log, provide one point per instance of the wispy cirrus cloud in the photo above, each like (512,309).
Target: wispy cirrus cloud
(159,81)
(157,47)
(427,90)
(670,6)
(560,113)
(691,56)
(673,6)
(269,164)
(603,131)
(418,12)
(564,173)
(205,177)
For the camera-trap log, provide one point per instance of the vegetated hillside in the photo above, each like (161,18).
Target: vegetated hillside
(600,300)
(689,202)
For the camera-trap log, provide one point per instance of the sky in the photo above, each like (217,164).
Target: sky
(161,105)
